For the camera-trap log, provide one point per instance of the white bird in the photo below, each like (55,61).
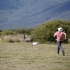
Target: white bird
(34,43)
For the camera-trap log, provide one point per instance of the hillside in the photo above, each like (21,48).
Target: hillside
(25,13)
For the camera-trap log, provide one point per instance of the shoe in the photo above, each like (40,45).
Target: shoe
(58,53)
(63,53)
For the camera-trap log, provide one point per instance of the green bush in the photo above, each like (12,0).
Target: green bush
(6,32)
(44,33)
(20,30)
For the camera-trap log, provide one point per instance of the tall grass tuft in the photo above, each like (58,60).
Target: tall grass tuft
(12,38)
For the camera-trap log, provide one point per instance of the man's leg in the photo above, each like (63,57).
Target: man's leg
(62,48)
(59,44)
(58,49)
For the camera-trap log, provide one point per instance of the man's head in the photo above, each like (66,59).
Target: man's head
(60,29)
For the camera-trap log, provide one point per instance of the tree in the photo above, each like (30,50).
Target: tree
(44,33)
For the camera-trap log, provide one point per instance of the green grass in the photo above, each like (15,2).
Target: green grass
(22,56)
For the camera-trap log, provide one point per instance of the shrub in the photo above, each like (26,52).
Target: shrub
(44,33)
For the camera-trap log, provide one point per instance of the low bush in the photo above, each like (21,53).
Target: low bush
(44,33)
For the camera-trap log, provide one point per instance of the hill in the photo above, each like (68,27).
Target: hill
(25,13)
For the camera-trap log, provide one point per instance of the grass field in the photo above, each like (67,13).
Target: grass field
(22,56)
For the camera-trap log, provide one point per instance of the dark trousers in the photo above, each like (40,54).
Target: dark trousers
(60,47)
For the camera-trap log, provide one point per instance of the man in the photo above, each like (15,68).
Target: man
(59,37)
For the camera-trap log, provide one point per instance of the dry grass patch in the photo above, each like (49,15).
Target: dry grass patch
(22,56)
(12,38)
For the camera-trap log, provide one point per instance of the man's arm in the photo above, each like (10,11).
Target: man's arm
(55,35)
(65,35)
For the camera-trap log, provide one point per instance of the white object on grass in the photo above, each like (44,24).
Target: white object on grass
(34,43)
